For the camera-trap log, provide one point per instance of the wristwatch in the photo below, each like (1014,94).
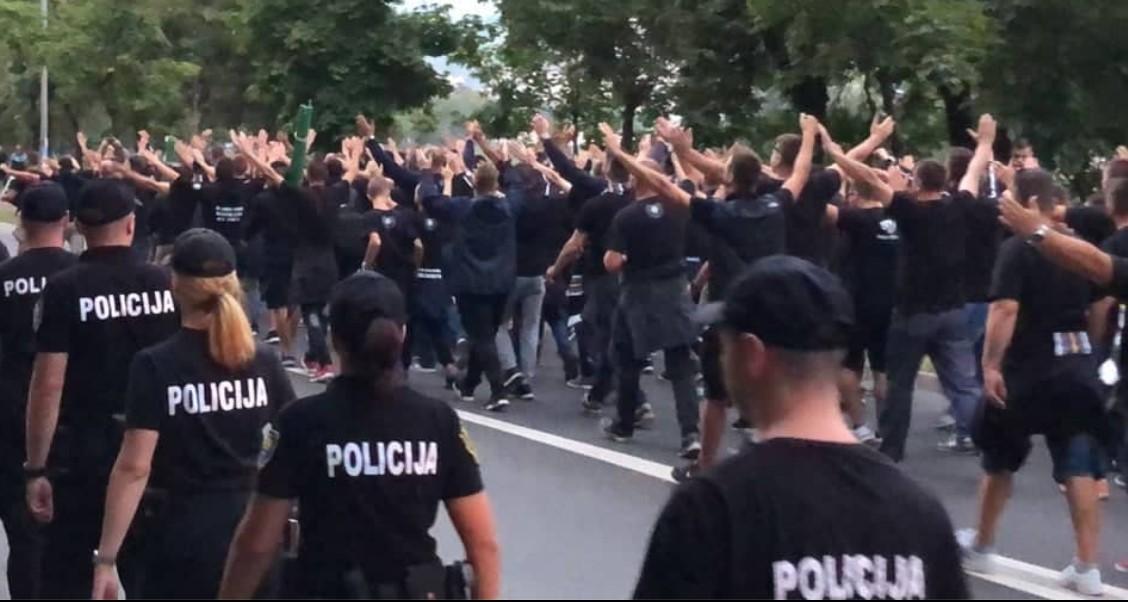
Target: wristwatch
(102,560)
(33,472)
(1038,236)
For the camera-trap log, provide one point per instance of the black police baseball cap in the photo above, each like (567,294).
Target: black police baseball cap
(102,202)
(202,253)
(788,303)
(362,298)
(45,203)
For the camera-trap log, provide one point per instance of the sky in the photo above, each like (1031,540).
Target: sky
(456,74)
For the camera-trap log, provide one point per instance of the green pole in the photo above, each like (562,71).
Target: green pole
(301,134)
(169,149)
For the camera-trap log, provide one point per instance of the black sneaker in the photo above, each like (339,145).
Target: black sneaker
(582,382)
(289,362)
(591,405)
(498,404)
(450,381)
(521,390)
(571,367)
(615,432)
(682,474)
(691,447)
(462,393)
(511,377)
(272,338)
(644,417)
(648,366)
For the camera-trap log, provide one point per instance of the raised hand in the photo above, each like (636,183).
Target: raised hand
(142,140)
(985,134)
(828,143)
(1122,152)
(611,139)
(808,124)
(364,126)
(81,138)
(883,128)
(541,125)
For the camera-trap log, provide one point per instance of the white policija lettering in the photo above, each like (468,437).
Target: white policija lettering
(125,305)
(850,576)
(222,396)
(378,459)
(24,286)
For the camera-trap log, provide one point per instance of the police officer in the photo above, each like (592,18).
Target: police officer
(195,411)
(43,218)
(92,319)
(368,462)
(768,522)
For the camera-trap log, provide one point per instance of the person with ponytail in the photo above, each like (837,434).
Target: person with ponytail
(197,419)
(368,462)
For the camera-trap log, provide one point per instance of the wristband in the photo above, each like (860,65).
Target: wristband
(31,473)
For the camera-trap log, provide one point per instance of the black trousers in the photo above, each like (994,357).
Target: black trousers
(679,367)
(481,317)
(185,539)
(317,325)
(601,301)
(428,325)
(25,542)
(72,536)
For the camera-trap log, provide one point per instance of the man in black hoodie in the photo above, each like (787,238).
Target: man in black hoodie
(481,267)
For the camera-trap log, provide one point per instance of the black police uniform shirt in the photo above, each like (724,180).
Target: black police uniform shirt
(368,475)
(100,312)
(211,420)
(744,230)
(651,234)
(399,229)
(1050,332)
(793,519)
(594,220)
(870,265)
(22,280)
(930,264)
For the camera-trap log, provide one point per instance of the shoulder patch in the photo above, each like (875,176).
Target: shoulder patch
(655,210)
(270,437)
(37,314)
(468,444)
(389,221)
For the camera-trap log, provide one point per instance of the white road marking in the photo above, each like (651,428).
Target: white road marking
(1012,573)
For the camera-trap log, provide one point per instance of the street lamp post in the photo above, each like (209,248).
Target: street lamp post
(44,143)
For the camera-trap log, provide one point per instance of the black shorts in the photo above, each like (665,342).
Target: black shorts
(871,332)
(1067,414)
(276,285)
(711,371)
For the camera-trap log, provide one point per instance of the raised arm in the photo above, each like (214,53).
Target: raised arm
(856,170)
(682,144)
(802,170)
(272,177)
(1070,253)
(479,138)
(984,141)
(165,171)
(653,179)
(880,131)
(584,182)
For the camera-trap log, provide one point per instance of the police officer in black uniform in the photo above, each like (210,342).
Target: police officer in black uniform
(92,319)
(769,522)
(196,410)
(368,462)
(43,218)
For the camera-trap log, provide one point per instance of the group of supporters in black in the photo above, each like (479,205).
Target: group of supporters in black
(148,403)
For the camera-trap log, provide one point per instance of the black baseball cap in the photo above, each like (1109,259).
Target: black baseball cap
(362,298)
(103,201)
(46,203)
(788,303)
(202,253)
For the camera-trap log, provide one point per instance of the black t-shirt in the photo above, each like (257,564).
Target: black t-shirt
(651,233)
(807,235)
(1053,306)
(743,230)
(1117,246)
(870,268)
(179,210)
(224,209)
(984,235)
(594,220)
(538,233)
(436,236)
(930,263)
(398,229)
(793,519)
(100,312)
(21,281)
(368,475)
(1092,224)
(210,420)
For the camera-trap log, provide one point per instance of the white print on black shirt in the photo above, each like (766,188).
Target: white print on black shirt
(228,214)
(377,459)
(222,396)
(850,576)
(126,305)
(888,230)
(24,286)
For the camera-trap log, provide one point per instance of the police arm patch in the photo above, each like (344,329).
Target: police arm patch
(270,437)
(468,444)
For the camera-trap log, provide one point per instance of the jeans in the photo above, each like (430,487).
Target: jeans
(525,301)
(600,305)
(942,337)
(481,317)
(429,323)
(316,324)
(976,316)
(252,301)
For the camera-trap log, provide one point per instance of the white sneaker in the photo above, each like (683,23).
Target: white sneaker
(975,560)
(866,435)
(1087,583)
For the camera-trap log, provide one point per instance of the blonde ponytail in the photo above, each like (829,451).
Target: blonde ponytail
(230,341)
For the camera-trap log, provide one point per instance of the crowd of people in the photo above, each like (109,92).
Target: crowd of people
(160,295)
